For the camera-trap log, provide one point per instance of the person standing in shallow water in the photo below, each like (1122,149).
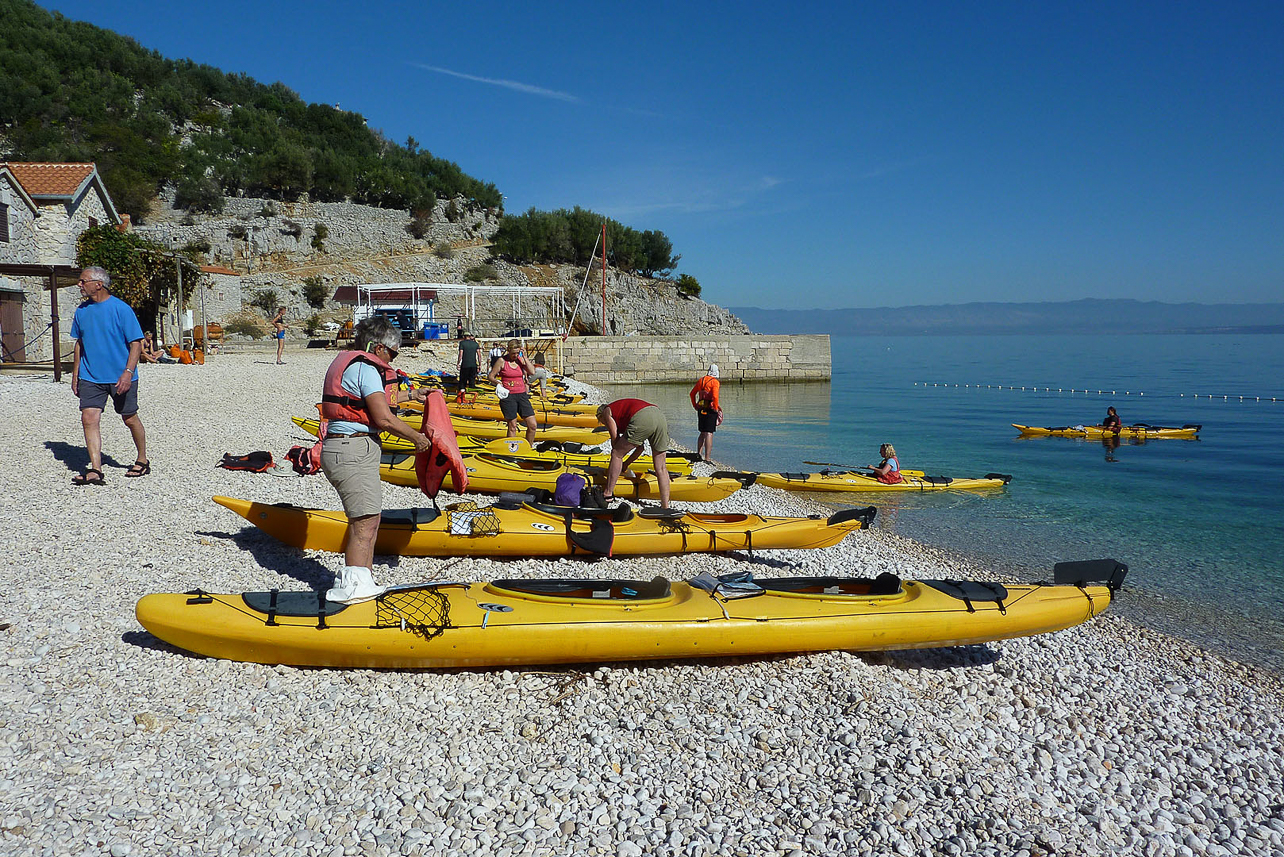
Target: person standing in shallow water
(109,344)
(704,398)
(278,322)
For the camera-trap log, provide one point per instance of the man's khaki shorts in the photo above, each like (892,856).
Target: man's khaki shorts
(649,424)
(352,466)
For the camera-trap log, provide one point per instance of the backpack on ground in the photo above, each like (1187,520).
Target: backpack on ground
(256,462)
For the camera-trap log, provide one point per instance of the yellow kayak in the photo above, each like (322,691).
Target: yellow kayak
(546,415)
(571,454)
(491,474)
(535,622)
(850,480)
(536,529)
(484,429)
(1140,430)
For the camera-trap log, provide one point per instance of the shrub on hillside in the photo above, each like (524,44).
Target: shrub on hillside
(266,300)
(688,286)
(443,250)
(481,273)
(319,235)
(199,195)
(315,292)
(420,223)
(247,322)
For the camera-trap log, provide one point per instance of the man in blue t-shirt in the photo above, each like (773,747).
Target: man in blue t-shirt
(109,342)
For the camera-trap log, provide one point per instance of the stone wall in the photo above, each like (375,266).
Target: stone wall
(682,359)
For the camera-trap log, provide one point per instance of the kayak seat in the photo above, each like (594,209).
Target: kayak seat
(610,590)
(619,515)
(277,603)
(410,517)
(885,584)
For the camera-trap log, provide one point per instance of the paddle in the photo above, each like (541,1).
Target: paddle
(903,471)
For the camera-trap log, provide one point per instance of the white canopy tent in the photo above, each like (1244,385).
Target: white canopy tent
(521,301)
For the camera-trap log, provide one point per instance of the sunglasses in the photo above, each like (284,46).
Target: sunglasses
(392,352)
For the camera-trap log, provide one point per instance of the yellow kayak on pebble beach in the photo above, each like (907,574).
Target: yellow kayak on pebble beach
(517,527)
(453,624)
(492,474)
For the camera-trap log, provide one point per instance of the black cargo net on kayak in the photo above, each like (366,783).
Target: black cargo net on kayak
(465,519)
(423,612)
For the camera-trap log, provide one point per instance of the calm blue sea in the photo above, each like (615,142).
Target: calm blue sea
(1200,523)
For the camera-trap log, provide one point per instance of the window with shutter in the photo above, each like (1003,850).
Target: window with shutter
(4,223)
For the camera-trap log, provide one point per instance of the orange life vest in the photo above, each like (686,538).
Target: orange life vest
(338,404)
(431,467)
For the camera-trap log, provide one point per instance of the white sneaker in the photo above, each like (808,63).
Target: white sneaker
(354,584)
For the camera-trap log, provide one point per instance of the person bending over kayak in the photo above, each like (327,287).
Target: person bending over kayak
(632,422)
(1112,422)
(511,369)
(888,470)
(359,394)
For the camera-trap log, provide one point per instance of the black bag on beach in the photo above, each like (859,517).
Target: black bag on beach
(256,462)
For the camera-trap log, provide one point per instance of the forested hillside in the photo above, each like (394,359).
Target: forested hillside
(70,91)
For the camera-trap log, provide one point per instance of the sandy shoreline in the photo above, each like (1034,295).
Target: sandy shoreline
(1107,737)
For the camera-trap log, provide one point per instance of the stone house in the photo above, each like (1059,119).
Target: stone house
(43,210)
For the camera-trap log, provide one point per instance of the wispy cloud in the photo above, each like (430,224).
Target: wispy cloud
(697,198)
(516,86)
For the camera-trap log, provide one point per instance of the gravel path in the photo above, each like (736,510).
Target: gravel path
(1106,738)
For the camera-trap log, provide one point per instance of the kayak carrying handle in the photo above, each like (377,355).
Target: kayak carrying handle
(745,478)
(1108,571)
(865,516)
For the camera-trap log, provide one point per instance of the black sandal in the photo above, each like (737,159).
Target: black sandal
(138,468)
(83,479)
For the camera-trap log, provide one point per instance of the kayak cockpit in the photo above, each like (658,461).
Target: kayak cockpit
(588,591)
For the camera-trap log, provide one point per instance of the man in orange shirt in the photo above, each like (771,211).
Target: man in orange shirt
(704,398)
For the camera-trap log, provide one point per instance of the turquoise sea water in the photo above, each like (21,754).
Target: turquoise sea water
(1200,523)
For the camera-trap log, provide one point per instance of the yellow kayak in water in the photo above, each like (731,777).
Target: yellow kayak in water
(491,474)
(851,480)
(538,622)
(1140,430)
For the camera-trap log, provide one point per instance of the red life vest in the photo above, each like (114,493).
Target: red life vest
(431,467)
(338,404)
(892,477)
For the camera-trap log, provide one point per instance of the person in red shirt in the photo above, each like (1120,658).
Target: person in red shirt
(704,398)
(632,422)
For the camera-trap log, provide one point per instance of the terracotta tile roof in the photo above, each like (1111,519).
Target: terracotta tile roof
(44,180)
(215,269)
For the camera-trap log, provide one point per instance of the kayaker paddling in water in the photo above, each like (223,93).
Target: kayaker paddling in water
(511,370)
(1112,422)
(631,423)
(359,393)
(888,470)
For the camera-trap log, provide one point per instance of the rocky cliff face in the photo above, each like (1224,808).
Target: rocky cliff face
(277,245)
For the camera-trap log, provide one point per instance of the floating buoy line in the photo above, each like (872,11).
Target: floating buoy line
(1033,389)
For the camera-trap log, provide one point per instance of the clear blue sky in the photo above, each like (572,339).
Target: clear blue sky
(826,155)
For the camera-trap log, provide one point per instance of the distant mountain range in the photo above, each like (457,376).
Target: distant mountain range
(1082,316)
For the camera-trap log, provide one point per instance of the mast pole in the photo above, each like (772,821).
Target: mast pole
(604,278)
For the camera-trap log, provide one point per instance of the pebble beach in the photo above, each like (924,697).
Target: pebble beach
(1105,738)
